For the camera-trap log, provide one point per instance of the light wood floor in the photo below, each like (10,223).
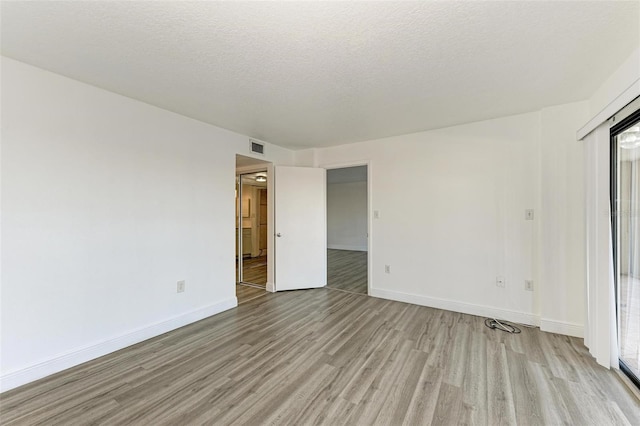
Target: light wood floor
(244,293)
(328,357)
(347,270)
(254,270)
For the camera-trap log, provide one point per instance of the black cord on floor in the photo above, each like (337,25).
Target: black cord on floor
(502,326)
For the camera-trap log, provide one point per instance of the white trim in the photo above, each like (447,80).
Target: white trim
(451,305)
(270,287)
(346,247)
(562,327)
(551,326)
(271,226)
(610,110)
(80,355)
(625,112)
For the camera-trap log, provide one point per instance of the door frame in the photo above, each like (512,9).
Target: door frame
(268,166)
(357,163)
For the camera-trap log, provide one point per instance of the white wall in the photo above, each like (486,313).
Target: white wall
(106,203)
(616,84)
(562,223)
(452,205)
(347,216)
(304,157)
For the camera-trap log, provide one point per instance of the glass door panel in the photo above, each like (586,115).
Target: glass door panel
(627,237)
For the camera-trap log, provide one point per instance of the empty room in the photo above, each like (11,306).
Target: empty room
(296,213)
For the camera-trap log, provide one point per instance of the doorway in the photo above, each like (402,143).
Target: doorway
(625,195)
(297,232)
(347,229)
(251,227)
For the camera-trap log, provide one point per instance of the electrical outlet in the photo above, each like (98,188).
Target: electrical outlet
(181,286)
(387,269)
(528,285)
(501,281)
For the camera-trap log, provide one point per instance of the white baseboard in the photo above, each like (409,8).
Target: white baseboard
(78,356)
(551,326)
(562,327)
(270,287)
(346,247)
(451,305)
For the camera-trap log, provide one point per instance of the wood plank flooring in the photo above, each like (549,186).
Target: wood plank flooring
(254,270)
(244,293)
(347,270)
(328,357)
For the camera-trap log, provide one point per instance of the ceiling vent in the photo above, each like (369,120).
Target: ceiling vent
(257,147)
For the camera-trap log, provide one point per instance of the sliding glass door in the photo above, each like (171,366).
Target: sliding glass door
(625,155)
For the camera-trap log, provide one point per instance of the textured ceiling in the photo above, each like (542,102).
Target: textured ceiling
(301,74)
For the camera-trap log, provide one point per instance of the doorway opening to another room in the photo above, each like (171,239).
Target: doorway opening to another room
(348,229)
(252,246)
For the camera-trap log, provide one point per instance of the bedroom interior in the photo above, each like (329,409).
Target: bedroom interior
(501,146)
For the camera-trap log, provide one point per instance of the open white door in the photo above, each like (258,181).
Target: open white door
(300,228)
